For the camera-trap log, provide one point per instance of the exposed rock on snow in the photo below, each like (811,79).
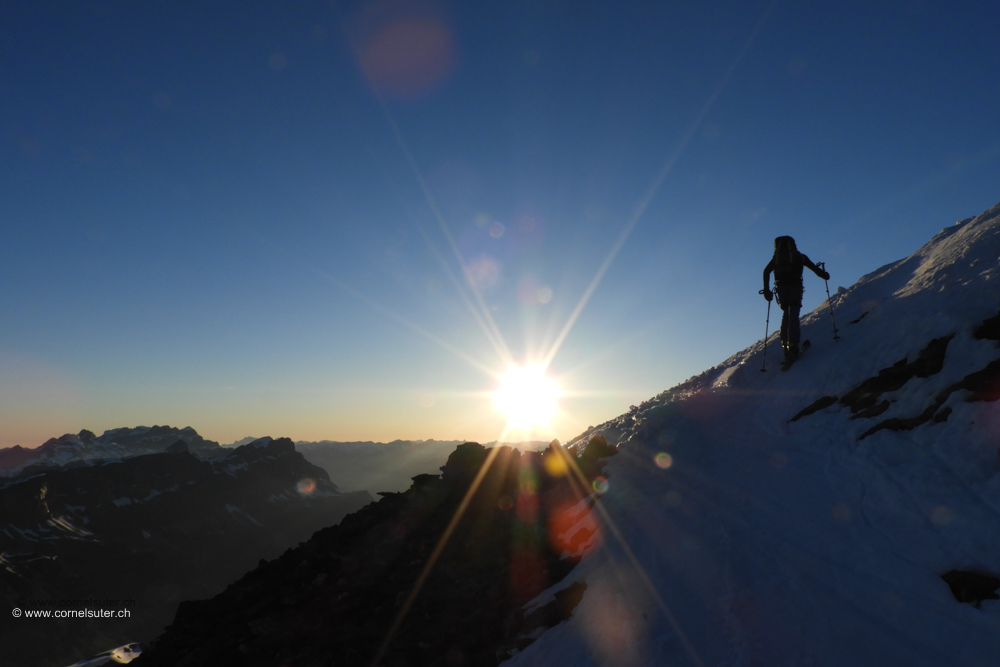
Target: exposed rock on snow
(972,587)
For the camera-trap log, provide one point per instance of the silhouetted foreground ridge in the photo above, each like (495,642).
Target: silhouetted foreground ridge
(335,599)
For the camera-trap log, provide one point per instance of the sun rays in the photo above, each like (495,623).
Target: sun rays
(525,393)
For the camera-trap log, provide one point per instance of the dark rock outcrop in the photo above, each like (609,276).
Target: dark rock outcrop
(972,587)
(144,533)
(436,575)
(816,406)
(929,362)
(179,447)
(864,400)
(989,329)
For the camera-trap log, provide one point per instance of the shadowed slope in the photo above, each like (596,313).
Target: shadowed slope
(333,599)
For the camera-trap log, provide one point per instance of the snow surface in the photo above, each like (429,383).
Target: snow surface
(116,656)
(768,542)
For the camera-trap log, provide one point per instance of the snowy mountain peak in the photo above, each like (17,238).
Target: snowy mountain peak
(959,253)
(118,443)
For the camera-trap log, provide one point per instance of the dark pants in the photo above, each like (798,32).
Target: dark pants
(790,300)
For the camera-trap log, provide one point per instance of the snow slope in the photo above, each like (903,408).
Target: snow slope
(771,542)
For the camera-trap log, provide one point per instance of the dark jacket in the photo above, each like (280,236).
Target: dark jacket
(791,272)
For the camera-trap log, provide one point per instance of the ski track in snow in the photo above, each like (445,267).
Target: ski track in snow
(780,543)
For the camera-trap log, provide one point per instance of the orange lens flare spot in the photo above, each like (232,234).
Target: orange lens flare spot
(306,486)
(664,460)
(408,57)
(941,516)
(573,530)
(555,465)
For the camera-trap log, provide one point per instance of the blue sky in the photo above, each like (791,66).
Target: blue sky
(257,217)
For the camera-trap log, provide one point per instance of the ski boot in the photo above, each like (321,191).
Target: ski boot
(791,352)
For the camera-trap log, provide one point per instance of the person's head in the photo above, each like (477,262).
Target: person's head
(784,243)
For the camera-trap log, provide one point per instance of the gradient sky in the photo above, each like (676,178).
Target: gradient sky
(292,219)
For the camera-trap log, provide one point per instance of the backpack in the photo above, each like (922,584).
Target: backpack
(787,262)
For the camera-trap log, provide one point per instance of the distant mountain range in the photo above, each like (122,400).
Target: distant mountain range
(154,528)
(352,466)
(119,443)
(384,466)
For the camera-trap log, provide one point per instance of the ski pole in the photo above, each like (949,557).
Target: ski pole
(767,324)
(822,267)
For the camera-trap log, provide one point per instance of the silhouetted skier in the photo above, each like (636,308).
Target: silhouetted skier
(787,266)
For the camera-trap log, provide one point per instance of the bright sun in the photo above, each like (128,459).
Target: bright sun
(526,396)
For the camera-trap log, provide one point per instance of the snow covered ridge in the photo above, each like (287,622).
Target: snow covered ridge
(118,443)
(808,517)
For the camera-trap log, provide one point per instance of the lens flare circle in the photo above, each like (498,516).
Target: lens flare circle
(527,396)
(600,484)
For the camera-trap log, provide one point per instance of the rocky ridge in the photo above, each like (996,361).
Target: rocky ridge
(389,466)
(383,587)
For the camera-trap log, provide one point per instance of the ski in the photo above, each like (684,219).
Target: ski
(785,365)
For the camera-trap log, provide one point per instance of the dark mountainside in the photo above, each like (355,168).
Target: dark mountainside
(335,599)
(155,529)
(72,449)
(389,466)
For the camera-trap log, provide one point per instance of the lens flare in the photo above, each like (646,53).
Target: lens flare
(573,530)
(941,516)
(664,460)
(405,56)
(306,486)
(555,465)
(484,272)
